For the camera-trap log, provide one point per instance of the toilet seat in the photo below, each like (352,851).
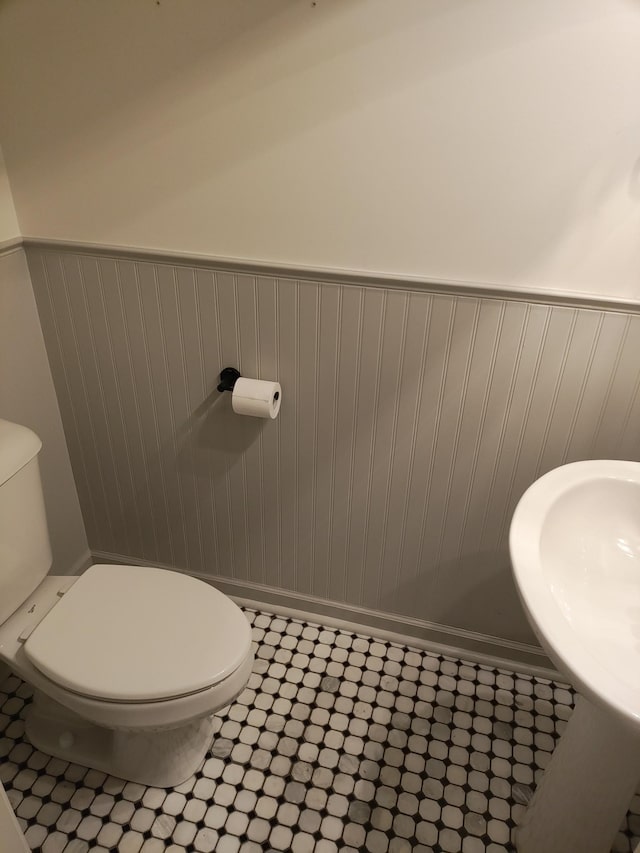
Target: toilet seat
(136,634)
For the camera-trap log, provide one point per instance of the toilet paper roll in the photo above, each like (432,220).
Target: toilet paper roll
(256,397)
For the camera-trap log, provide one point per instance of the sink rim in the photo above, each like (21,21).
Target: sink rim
(564,645)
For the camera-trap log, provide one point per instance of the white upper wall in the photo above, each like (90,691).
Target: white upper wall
(9,228)
(490,142)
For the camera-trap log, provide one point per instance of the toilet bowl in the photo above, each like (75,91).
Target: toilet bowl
(127,663)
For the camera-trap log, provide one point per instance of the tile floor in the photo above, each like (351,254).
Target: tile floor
(339,743)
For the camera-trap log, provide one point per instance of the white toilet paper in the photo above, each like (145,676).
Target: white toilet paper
(256,397)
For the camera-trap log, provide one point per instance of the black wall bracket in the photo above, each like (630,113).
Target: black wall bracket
(228,378)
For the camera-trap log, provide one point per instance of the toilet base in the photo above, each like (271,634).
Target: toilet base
(162,758)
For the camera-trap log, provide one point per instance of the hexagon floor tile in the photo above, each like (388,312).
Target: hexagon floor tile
(339,743)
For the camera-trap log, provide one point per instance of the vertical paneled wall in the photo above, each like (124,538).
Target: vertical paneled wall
(28,397)
(411,423)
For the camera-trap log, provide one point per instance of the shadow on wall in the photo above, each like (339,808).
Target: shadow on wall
(475,590)
(216,434)
(196,461)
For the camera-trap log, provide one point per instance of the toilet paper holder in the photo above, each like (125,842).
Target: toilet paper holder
(228,378)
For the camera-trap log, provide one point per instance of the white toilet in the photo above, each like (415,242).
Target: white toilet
(127,663)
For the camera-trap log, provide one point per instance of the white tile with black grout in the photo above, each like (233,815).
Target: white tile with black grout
(339,743)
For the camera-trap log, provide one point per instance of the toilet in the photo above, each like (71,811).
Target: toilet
(127,663)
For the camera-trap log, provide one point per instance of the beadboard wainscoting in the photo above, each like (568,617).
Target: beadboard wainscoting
(411,423)
(28,396)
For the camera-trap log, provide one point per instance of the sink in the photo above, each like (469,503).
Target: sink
(575,551)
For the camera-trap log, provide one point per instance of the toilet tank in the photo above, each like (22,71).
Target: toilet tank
(25,549)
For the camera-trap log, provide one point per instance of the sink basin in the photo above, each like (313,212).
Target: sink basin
(575,549)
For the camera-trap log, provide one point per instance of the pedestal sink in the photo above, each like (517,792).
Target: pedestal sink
(575,551)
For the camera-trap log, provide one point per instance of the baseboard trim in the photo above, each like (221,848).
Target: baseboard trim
(429,636)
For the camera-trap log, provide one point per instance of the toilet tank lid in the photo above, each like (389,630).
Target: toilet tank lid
(18,445)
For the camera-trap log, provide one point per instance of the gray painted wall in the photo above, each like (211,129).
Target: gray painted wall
(411,423)
(27,396)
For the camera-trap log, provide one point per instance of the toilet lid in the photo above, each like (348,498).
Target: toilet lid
(138,634)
